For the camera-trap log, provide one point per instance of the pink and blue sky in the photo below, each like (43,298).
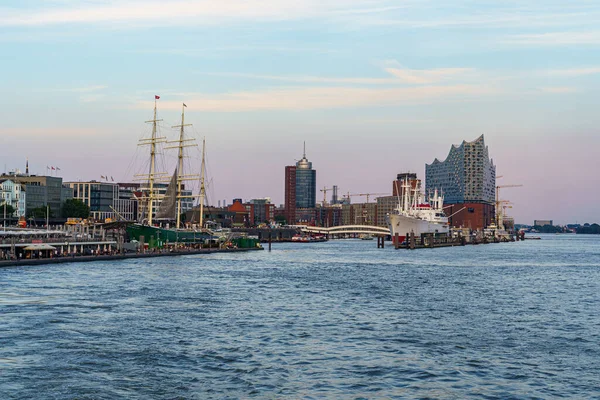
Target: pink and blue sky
(374,87)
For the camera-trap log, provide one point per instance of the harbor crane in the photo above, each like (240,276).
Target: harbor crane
(366,194)
(325,190)
(499,213)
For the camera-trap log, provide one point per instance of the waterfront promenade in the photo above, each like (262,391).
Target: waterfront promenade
(117,256)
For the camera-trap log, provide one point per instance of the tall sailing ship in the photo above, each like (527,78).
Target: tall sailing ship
(413,215)
(155,226)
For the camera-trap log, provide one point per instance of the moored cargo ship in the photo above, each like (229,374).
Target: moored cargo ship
(413,215)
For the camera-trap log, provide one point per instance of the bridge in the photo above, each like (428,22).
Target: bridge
(345,230)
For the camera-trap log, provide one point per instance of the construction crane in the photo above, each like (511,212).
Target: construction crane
(499,216)
(325,190)
(366,194)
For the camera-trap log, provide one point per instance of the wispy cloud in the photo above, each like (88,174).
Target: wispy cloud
(310,98)
(405,13)
(398,75)
(556,38)
(211,52)
(426,76)
(308,79)
(575,71)
(152,12)
(83,89)
(559,89)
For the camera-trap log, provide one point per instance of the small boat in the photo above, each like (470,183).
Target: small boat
(366,237)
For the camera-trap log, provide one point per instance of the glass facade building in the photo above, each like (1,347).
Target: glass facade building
(306,184)
(300,189)
(468,175)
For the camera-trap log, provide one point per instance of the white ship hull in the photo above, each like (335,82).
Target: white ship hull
(403,224)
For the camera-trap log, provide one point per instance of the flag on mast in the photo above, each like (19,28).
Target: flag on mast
(53,168)
(156,97)
(184,105)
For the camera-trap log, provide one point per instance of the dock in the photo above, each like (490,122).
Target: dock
(115,257)
(431,241)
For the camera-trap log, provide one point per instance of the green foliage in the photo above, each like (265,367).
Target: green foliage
(75,208)
(589,229)
(549,229)
(280,219)
(39,212)
(10,210)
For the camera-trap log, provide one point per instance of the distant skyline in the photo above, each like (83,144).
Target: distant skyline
(374,87)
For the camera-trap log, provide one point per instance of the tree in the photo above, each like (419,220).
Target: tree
(75,208)
(280,219)
(39,212)
(589,229)
(10,210)
(549,229)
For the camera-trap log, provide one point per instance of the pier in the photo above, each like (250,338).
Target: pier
(113,257)
(433,240)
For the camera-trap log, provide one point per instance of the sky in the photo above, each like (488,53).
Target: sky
(374,87)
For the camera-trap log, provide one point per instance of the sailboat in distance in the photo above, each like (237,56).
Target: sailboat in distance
(157,211)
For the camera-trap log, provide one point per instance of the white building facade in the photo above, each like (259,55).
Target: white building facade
(14,195)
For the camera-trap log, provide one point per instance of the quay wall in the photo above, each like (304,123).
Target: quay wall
(62,260)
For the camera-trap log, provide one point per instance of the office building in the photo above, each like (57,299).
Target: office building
(41,191)
(261,211)
(105,200)
(290,194)
(385,205)
(300,187)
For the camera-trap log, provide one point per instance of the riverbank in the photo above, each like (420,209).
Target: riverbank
(124,256)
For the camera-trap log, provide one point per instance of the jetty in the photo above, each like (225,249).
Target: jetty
(433,240)
(119,256)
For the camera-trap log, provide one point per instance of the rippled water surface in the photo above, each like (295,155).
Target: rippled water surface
(339,320)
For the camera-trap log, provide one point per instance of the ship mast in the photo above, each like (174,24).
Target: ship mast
(202,188)
(180,176)
(152,141)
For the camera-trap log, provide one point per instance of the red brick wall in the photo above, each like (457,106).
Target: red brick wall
(474,215)
(290,194)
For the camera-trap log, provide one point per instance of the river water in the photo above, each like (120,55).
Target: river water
(340,319)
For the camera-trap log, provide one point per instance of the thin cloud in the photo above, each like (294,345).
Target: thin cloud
(311,98)
(556,38)
(399,76)
(308,79)
(559,89)
(176,12)
(426,76)
(575,71)
(84,89)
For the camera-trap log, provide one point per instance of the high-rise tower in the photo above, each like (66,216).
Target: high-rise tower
(306,183)
(300,187)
